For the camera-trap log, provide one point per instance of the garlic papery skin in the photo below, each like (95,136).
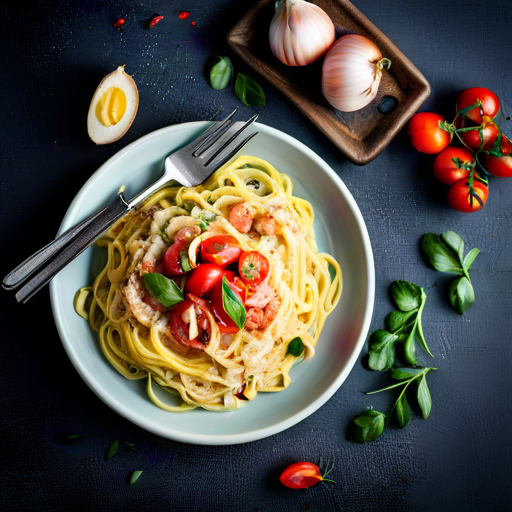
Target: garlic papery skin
(351,72)
(300,32)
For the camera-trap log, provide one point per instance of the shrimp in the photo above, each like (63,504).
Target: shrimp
(260,319)
(265,225)
(241,218)
(153,254)
(260,295)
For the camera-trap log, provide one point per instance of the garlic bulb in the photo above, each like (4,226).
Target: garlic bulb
(300,32)
(351,72)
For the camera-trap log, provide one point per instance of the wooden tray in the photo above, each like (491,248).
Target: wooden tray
(360,135)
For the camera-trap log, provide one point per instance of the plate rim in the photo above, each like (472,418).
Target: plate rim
(253,435)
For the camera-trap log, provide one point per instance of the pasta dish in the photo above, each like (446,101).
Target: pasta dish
(213,292)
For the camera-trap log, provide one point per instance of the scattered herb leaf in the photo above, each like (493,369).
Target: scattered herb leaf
(249,92)
(424,399)
(402,412)
(461,294)
(369,426)
(71,438)
(135,476)
(407,296)
(382,350)
(219,71)
(164,290)
(295,347)
(185,263)
(114,447)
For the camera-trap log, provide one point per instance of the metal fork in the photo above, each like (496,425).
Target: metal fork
(189,166)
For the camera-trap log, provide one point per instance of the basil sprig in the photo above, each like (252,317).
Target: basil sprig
(446,254)
(219,71)
(403,326)
(162,289)
(249,92)
(233,305)
(295,347)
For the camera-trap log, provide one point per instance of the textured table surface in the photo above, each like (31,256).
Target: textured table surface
(53,54)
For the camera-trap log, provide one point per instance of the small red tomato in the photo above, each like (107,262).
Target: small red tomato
(253,267)
(500,166)
(483,137)
(203,279)
(172,257)
(220,249)
(453,164)
(240,217)
(426,134)
(224,321)
(301,475)
(489,100)
(465,200)
(180,328)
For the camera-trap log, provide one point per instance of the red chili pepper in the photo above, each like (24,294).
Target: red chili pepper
(193,23)
(154,21)
(119,22)
(184,15)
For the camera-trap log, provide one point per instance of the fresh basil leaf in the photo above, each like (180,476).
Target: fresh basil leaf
(397,320)
(470,258)
(439,254)
(295,347)
(455,241)
(382,350)
(424,400)
(369,426)
(164,290)
(249,92)
(406,295)
(135,476)
(185,263)
(461,294)
(233,305)
(405,373)
(114,447)
(410,348)
(219,71)
(71,438)
(402,411)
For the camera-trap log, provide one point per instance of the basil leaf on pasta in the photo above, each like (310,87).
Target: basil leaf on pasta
(162,289)
(232,305)
(295,347)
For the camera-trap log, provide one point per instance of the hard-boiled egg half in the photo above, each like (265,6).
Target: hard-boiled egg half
(113,107)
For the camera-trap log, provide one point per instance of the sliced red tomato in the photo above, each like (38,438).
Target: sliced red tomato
(253,267)
(483,137)
(220,249)
(240,217)
(225,322)
(489,100)
(301,475)
(172,257)
(465,200)
(180,327)
(453,164)
(500,166)
(426,134)
(203,278)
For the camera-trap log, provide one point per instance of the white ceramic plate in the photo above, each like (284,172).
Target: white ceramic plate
(340,230)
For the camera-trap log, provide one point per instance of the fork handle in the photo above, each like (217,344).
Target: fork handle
(86,237)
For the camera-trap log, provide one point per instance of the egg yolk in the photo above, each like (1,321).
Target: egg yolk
(111,107)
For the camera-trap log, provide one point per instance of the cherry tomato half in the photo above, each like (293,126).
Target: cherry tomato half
(500,166)
(240,217)
(172,257)
(301,475)
(453,164)
(253,267)
(483,138)
(224,321)
(220,249)
(490,103)
(459,196)
(180,329)
(425,133)
(203,279)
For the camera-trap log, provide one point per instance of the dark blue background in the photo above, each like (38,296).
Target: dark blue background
(53,54)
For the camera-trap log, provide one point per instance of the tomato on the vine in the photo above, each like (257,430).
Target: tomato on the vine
(500,166)
(426,134)
(302,475)
(453,164)
(489,101)
(466,198)
(482,137)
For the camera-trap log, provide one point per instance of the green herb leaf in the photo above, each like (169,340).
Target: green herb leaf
(402,411)
(164,290)
(185,263)
(203,224)
(369,426)
(233,305)
(410,347)
(135,476)
(470,258)
(404,373)
(219,71)
(397,320)
(424,399)
(382,350)
(406,295)
(439,254)
(455,241)
(420,337)
(249,92)
(295,347)
(114,447)
(461,294)
(71,438)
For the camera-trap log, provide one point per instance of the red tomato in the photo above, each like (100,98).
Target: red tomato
(483,138)
(425,133)
(301,475)
(253,267)
(453,164)
(172,257)
(489,100)
(225,322)
(203,279)
(500,166)
(240,217)
(220,249)
(459,196)
(179,327)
